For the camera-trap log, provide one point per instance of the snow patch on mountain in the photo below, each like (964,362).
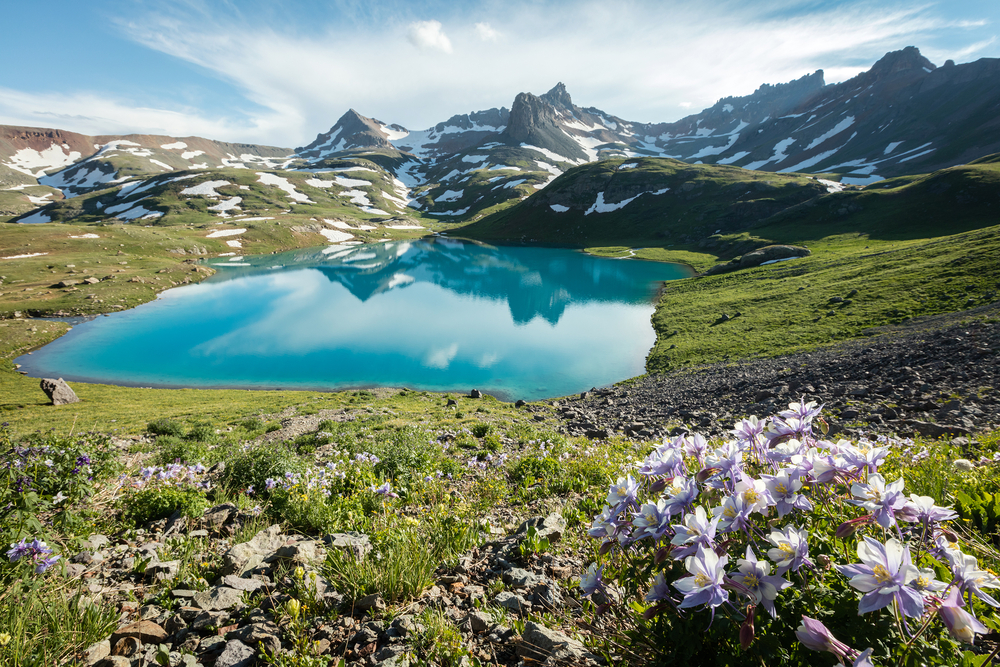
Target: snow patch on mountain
(35,163)
(283,184)
(178,145)
(226,205)
(600,206)
(832,132)
(206,189)
(450,195)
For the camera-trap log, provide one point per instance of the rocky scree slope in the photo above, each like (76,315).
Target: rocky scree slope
(937,377)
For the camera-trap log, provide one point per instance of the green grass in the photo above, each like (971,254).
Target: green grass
(786,307)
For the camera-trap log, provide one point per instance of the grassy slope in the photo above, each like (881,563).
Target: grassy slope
(786,307)
(701,200)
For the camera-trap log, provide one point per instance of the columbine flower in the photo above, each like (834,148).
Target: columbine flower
(734,514)
(815,636)
(623,492)
(754,493)
(591,580)
(652,520)
(270,483)
(696,531)
(660,590)
(682,493)
(971,579)
(791,549)
(802,410)
(784,489)
(921,509)
(756,576)
(704,586)
(58,498)
(879,498)
(663,462)
(962,625)
(884,575)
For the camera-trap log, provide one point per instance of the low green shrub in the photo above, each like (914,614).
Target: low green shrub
(171,449)
(151,504)
(252,465)
(165,426)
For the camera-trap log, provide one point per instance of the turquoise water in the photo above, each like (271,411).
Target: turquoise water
(439,315)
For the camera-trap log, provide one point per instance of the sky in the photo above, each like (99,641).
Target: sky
(279,72)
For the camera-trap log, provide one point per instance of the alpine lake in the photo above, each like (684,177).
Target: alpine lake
(435,314)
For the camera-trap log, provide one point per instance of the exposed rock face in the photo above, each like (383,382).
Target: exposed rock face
(533,121)
(771,253)
(58,391)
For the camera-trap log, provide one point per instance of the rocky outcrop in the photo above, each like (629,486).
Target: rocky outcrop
(766,255)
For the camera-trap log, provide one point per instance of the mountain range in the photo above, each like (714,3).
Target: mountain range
(903,116)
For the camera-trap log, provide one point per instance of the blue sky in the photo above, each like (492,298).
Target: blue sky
(279,72)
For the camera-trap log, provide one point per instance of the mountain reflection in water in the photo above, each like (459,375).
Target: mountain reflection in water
(432,314)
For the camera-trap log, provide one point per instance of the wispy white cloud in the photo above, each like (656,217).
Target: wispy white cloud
(678,57)
(486,32)
(429,36)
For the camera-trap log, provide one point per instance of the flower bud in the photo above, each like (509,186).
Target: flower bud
(606,547)
(293,607)
(705,474)
(747,630)
(824,561)
(299,572)
(659,485)
(661,555)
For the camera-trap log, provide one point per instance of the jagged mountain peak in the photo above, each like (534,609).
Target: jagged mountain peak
(899,61)
(352,131)
(559,97)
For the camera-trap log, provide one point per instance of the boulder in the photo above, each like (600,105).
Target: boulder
(540,643)
(248,555)
(144,631)
(58,391)
(549,527)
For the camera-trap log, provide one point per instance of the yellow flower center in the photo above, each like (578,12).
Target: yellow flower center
(750,580)
(701,580)
(750,496)
(728,512)
(787,548)
(881,574)
(781,489)
(874,495)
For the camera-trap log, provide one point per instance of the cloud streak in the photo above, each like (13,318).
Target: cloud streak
(640,60)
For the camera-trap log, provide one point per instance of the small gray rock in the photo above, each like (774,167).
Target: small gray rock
(219,598)
(236,654)
(512,602)
(356,543)
(96,652)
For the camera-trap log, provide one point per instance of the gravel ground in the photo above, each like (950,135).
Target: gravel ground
(936,376)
